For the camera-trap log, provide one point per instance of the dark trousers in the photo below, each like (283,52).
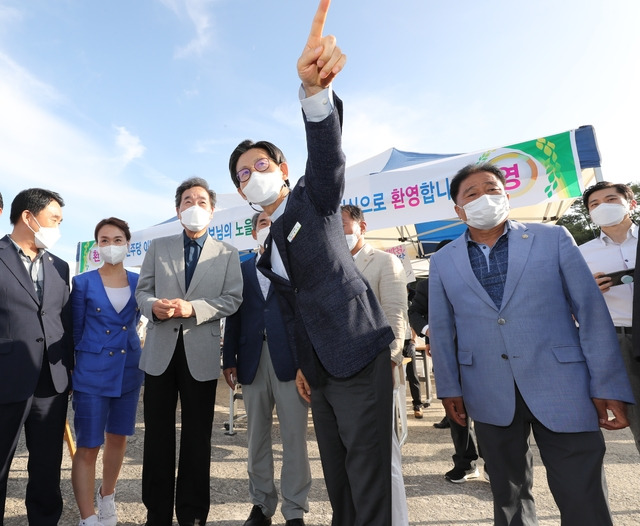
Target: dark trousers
(465,454)
(353,425)
(197,400)
(43,418)
(574,471)
(414,383)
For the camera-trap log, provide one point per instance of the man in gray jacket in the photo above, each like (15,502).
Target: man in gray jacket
(187,283)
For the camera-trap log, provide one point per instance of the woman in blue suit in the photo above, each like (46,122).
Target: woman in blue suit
(106,378)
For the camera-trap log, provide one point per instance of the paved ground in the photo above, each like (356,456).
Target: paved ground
(426,457)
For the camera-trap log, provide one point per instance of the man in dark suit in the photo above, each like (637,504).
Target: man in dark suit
(256,354)
(36,350)
(338,330)
(466,454)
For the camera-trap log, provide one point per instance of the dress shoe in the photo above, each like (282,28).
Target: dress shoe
(443,424)
(257,518)
(294,522)
(417,411)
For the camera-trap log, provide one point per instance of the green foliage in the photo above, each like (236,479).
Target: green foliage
(578,222)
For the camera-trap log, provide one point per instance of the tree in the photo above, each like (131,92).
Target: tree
(578,221)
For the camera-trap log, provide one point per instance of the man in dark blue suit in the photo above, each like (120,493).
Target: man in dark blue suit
(256,354)
(337,328)
(36,350)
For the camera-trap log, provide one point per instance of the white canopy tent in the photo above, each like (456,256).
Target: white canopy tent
(405,196)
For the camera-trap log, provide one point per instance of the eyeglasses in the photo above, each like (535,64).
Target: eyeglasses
(261,165)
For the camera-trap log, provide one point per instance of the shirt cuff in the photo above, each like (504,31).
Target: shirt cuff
(425,329)
(319,106)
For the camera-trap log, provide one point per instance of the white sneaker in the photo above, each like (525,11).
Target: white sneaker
(107,514)
(90,521)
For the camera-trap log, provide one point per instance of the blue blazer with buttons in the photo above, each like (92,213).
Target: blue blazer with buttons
(107,346)
(243,333)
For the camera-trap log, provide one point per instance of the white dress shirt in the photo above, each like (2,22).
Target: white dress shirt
(605,255)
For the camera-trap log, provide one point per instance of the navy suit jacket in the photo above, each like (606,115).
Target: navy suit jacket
(244,330)
(106,342)
(327,303)
(28,326)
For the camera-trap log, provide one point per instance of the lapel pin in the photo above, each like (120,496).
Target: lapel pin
(525,236)
(294,232)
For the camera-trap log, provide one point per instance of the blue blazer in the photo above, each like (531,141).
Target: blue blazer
(28,326)
(327,304)
(532,341)
(106,342)
(243,333)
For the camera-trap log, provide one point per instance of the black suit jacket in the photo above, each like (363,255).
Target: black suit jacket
(28,327)
(419,307)
(327,302)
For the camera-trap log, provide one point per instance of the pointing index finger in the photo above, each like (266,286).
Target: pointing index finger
(317,26)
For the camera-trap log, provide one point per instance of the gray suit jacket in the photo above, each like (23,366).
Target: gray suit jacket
(215,292)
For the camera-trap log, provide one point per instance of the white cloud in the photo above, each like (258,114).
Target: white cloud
(9,16)
(40,149)
(197,11)
(130,146)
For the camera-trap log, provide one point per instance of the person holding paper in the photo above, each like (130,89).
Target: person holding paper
(610,206)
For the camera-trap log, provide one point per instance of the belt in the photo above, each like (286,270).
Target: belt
(624,330)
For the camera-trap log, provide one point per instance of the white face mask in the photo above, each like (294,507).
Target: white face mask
(264,187)
(487,211)
(262,235)
(352,240)
(113,254)
(195,218)
(46,237)
(609,214)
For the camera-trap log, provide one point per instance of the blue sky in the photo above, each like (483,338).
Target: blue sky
(114,103)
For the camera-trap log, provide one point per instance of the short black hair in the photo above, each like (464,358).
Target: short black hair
(355,212)
(254,221)
(113,221)
(33,199)
(623,189)
(191,183)
(469,170)
(275,154)
(1,201)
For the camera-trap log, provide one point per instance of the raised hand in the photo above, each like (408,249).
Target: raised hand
(321,59)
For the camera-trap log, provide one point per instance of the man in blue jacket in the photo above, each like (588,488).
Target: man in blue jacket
(504,301)
(257,355)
